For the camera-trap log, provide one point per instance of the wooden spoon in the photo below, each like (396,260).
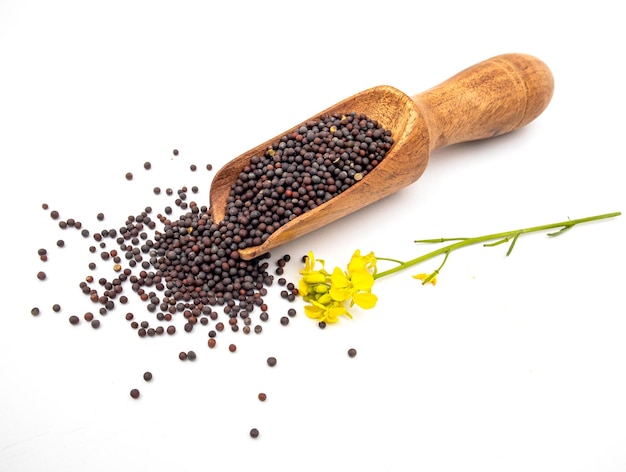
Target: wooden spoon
(491,98)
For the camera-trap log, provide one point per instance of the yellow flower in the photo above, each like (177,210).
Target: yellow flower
(355,286)
(358,262)
(328,313)
(330,293)
(425,278)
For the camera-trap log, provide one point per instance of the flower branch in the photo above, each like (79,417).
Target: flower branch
(330,294)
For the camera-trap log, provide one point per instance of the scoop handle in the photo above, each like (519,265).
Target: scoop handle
(488,99)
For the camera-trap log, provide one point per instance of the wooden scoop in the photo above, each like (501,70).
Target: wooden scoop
(491,98)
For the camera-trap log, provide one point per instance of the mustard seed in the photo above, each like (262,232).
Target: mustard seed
(254,433)
(147,376)
(271,361)
(352,352)
(134,393)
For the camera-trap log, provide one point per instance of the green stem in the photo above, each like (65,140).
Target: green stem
(501,237)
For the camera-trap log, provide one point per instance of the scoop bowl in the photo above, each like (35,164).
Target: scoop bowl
(489,99)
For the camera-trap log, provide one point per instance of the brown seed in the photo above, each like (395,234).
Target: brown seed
(232,348)
(175,152)
(129,176)
(134,393)
(191,355)
(352,352)
(34,311)
(271,361)
(254,433)
(74,319)
(41,275)
(262,397)
(56,308)
(212,343)
(147,165)
(182,355)
(147,376)
(95,324)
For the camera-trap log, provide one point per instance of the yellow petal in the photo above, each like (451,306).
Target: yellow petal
(365,300)
(338,279)
(424,278)
(362,280)
(356,262)
(340,294)
(313,311)
(309,262)
(303,287)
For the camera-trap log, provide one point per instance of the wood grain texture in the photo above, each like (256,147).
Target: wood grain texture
(491,98)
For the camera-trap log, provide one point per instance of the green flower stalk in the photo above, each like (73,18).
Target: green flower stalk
(330,294)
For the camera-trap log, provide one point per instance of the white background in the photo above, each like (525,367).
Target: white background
(515,364)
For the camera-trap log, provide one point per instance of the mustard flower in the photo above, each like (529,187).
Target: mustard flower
(426,278)
(330,294)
